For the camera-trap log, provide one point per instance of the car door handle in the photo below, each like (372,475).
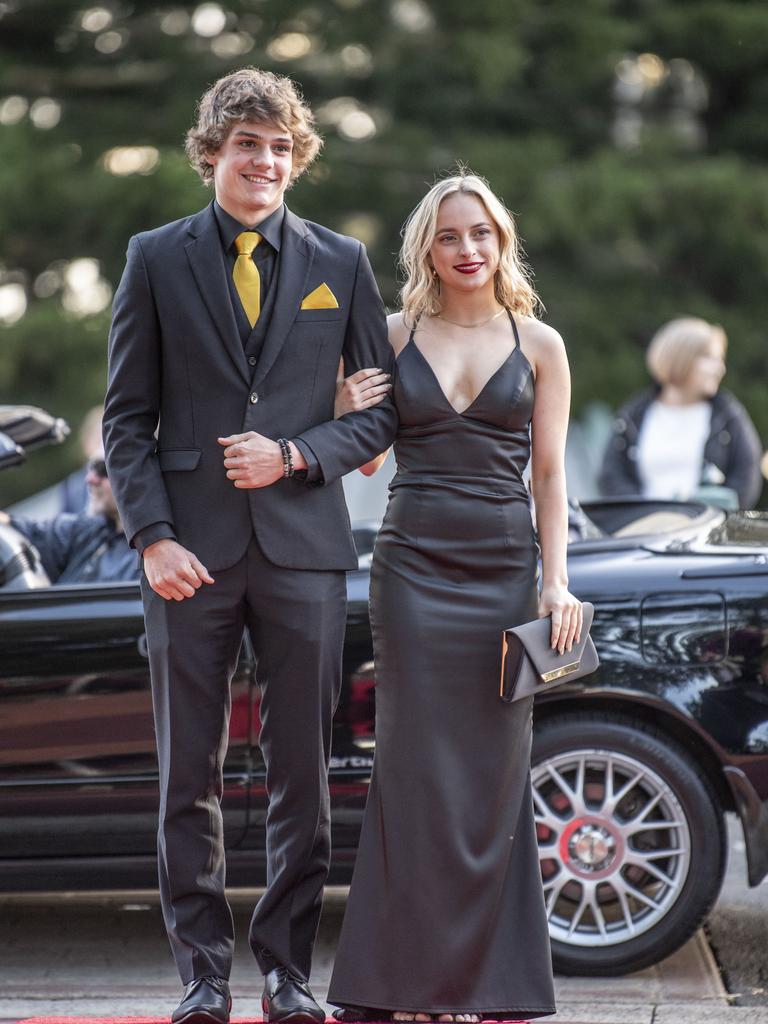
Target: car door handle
(142,646)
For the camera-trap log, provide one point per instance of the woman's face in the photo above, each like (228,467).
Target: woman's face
(465,251)
(708,370)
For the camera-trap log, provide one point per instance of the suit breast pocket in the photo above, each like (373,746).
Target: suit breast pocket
(174,459)
(320,316)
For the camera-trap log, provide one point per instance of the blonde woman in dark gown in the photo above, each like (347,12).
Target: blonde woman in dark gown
(446,918)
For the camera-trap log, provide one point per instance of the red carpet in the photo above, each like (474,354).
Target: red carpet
(147,1020)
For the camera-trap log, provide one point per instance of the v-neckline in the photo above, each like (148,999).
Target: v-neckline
(483,389)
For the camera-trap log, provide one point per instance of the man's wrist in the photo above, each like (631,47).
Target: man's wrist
(156,543)
(299,462)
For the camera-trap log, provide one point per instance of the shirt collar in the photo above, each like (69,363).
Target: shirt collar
(270,229)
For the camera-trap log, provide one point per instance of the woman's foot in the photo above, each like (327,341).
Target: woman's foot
(403,1015)
(459,1018)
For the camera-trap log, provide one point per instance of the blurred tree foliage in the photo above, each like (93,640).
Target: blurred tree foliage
(629,136)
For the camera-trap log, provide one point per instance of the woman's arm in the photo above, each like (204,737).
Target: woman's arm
(549,427)
(745,451)
(359,391)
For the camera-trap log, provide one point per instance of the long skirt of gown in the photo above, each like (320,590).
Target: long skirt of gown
(446,910)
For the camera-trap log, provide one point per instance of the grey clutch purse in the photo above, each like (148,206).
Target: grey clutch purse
(529,665)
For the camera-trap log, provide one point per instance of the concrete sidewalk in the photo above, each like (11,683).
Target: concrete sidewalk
(108,956)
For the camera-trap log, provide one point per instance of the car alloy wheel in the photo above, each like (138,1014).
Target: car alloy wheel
(631,836)
(614,846)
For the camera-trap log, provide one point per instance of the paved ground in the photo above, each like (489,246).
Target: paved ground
(738,930)
(108,956)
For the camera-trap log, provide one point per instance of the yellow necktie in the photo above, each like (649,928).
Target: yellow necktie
(246,275)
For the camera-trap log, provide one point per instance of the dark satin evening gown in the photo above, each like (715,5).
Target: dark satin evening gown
(446,910)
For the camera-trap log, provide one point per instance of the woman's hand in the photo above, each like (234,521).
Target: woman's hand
(359,391)
(566,616)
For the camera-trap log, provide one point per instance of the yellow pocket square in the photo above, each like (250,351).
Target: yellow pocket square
(321,298)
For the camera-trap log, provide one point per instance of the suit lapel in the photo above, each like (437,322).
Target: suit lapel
(296,255)
(204,254)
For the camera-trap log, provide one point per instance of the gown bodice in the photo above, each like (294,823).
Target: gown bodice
(488,442)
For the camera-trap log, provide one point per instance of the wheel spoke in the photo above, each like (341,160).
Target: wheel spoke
(650,826)
(597,914)
(543,814)
(650,806)
(650,868)
(552,892)
(579,912)
(649,855)
(609,806)
(575,797)
(638,894)
(626,913)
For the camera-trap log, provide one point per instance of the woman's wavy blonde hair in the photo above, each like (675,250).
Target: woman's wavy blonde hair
(421,291)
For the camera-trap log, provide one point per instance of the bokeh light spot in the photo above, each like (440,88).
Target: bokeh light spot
(357,126)
(209,20)
(290,46)
(109,42)
(85,291)
(232,44)
(175,23)
(412,15)
(45,113)
(13,303)
(13,109)
(125,160)
(96,19)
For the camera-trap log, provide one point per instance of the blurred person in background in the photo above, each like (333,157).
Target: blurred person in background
(73,492)
(685,435)
(87,546)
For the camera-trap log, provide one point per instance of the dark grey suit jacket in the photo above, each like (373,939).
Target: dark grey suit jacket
(176,359)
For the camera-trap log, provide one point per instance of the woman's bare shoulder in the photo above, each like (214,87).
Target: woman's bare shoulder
(398,331)
(540,342)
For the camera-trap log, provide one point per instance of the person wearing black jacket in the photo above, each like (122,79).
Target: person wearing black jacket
(686,432)
(227,331)
(87,546)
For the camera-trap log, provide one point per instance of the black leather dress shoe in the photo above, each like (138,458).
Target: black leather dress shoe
(288,1000)
(205,1001)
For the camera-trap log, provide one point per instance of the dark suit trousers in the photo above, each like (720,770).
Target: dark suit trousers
(296,619)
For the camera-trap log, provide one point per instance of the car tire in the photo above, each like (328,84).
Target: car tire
(644,904)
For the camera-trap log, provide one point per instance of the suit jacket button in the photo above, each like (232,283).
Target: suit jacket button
(252,360)
(254,398)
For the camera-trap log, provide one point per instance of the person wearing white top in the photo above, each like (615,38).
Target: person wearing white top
(688,432)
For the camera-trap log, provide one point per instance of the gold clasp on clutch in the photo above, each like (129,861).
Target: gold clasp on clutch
(556,673)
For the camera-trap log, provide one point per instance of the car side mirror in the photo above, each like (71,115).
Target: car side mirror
(11,454)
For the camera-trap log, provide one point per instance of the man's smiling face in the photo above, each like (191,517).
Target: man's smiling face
(252,170)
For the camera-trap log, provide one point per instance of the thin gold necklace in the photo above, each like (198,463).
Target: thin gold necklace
(468,326)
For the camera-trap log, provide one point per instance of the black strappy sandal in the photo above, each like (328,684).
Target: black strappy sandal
(361,1015)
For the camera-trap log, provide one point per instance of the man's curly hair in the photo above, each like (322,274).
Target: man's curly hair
(252,95)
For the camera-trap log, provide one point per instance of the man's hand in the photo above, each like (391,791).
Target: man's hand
(253,460)
(173,572)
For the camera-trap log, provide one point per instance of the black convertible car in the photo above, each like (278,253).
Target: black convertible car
(633,768)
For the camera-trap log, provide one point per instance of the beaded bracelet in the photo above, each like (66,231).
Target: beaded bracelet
(285,451)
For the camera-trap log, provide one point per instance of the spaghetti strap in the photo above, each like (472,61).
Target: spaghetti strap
(514,328)
(413,329)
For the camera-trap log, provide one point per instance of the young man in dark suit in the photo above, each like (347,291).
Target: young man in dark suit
(221,447)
